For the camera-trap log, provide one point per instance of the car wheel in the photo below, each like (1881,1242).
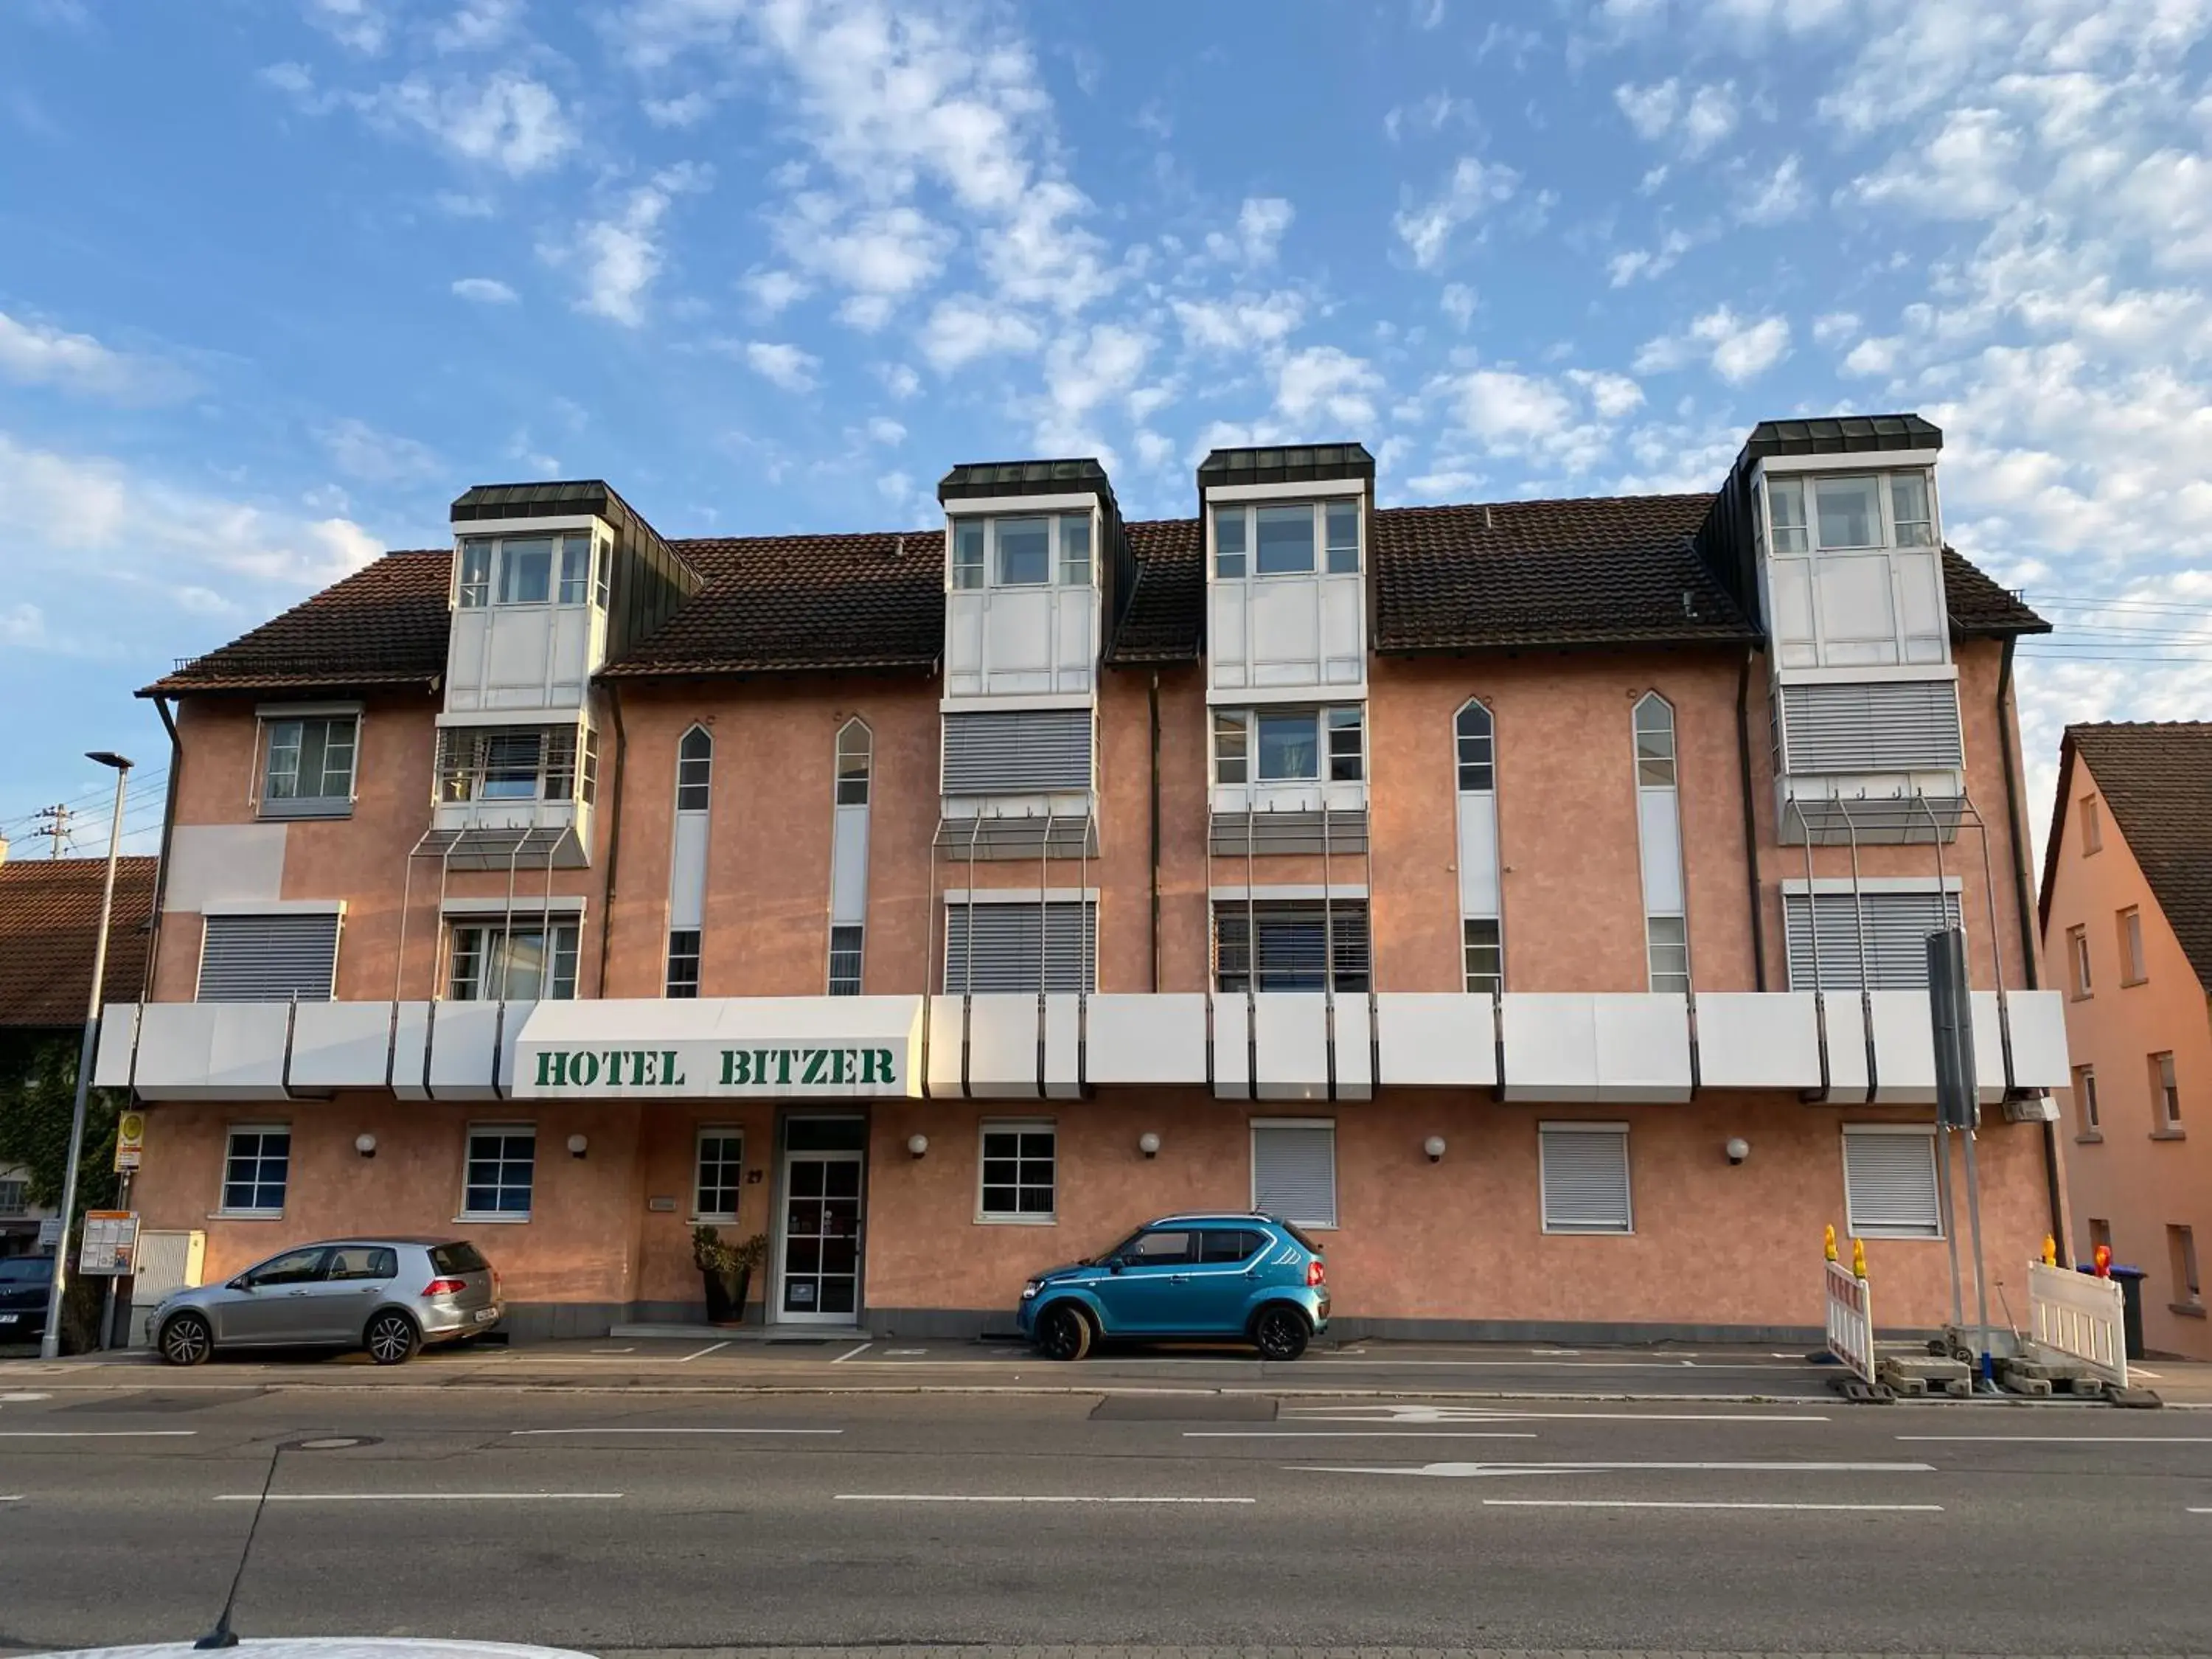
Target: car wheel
(1281,1332)
(391,1338)
(186,1340)
(1063,1333)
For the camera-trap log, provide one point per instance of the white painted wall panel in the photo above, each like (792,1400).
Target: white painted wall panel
(1757,1040)
(1789,583)
(1478,854)
(1435,1039)
(1920,598)
(947,1032)
(341,1045)
(119,1036)
(2039,1039)
(1642,1044)
(1232,1051)
(1856,617)
(1018,638)
(1292,1039)
(848,866)
(1847,1055)
(1551,1046)
(1074,650)
(1227,642)
(1904,1047)
(1150,1039)
(963,643)
(214,864)
(1002,1047)
(465,659)
(410,1043)
(462,1055)
(1343,639)
(1063,1030)
(1659,831)
(687,871)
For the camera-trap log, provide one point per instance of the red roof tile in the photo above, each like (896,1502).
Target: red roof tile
(49,928)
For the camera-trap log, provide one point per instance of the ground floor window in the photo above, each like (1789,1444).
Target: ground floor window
(1583,1174)
(722,1172)
(1020,1165)
(1889,1182)
(502,1167)
(1294,1169)
(15,1197)
(257,1165)
(517,961)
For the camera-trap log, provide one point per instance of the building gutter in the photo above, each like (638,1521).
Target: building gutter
(1750,816)
(614,833)
(2007,736)
(161,863)
(1153,699)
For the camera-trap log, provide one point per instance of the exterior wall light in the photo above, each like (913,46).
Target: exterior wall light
(1149,1144)
(1434,1147)
(578,1145)
(1738,1149)
(916,1145)
(365,1144)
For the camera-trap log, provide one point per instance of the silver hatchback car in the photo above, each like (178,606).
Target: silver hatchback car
(390,1296)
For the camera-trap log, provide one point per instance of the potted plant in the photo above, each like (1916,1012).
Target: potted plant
(727,1270)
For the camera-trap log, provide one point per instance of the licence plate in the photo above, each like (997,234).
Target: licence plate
(7,1319)
(485,1316)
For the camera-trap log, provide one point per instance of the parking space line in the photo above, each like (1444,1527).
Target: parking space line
(97,1434)
(1698,1504)
(611,1429)
(2069,1439)
(999,1498)
(852,1352)
(712,1347)
(1356,1434)
(413,1496)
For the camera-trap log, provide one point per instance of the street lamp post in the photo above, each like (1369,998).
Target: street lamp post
(50,1345)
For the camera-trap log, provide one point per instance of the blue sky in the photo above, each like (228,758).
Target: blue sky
(278,278)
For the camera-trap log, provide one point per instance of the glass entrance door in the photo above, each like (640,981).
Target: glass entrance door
(820,1279)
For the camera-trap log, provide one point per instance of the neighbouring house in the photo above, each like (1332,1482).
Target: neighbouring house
(1459,882)
(49,927)
(2127,926)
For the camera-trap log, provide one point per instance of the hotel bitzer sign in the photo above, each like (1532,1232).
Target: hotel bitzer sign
(712,1069)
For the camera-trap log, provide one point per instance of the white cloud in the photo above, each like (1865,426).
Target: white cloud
(1709,117)
(1830,327)
(1326,383)
(484,290)
(686,110)
(1697,121)
(774,291)
(1650,110)
(1154,449)
(964,328)
(900,381)
(885,253)
(509,121)
(1963,171)
(1737,348)
(1458,301)
(1874,356)
(1260,223)
(40,354)
(1431,112)
(1242,322)
(782,364)
(882,429)
(360,451)
(1612,396)
(360,25)
(475,25)
(1644,264)
(23,624)
(1474,188)
(1781,195)
(622,255)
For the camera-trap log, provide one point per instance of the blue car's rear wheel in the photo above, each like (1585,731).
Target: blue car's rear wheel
(1063,1333)
(1281,1332)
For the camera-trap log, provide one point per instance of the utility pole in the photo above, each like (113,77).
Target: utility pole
(54,826)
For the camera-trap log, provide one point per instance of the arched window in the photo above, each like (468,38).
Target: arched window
(1655,740)
(855,752)
(1659,835)
(694,769)
(1477,767)
(1482,935)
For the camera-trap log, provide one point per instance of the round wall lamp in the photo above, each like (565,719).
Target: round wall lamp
(1434,1147)
(1738,1149)
(1149,1144)
(578,1145)
(365,1144)
(916,1145)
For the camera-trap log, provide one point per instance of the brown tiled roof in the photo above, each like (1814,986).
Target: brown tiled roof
(774,604)
(1614,571)
(1166,611)
(1979,607)
(383,625)
(50,926)
(2156,781)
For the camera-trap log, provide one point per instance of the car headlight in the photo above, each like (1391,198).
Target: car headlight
(1030,1290)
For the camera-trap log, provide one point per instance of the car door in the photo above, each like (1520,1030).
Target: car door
(356,1280)
(269,1302)
(1142,1292)
(1224,1273)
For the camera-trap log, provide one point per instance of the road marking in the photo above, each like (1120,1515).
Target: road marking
(1696,1503)
(1456,1470)
(712,1347)
(903,1354)
(1355,1434)
(2193,1509)
(1507,1414)
(614,1350)
(10,1497)
(1562,1365)
(615,1430)
(2073,1439)
(97,1434)
(411,1496)
(996,1498)
(22,1398)
(851,1353)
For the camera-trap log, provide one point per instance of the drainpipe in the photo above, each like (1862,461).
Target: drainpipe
(1153,697)
(161,863)
(2008,735)
(1750,816)
(614,832)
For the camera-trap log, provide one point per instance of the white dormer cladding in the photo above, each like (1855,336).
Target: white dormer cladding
(530,599)
(1021,612)
(1286,590)
(1851,562)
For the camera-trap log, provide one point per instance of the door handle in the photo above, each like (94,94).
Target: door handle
(302,1291)
(1178,1279)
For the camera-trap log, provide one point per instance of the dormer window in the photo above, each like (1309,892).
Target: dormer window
(1287,539)
(1850,511)
(1022,552)
(546,569)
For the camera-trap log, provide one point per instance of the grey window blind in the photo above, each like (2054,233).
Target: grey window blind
(1018,751)
(1889,1185)
(1585,1180)
(1881,725)
(1295,942)
(1021,947)
(1294,1173)
(1896,925)
(269,958)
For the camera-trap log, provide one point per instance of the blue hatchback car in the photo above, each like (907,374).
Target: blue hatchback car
(1247,1277)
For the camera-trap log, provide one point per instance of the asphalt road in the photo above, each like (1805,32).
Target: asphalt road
(605,1522)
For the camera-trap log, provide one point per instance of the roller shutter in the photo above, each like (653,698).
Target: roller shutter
(1017,752)
(1294,1172)
(1021,947)
(269,958)
(1585,1178)
(1889,1184)
(1897,926)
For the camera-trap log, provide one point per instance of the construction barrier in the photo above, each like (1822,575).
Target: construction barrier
(2079,1316)
(1851,1313)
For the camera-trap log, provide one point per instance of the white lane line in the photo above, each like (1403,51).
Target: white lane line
(1560,1364)
(852,1354)
(614,1350)
(1477,1414)
(2194,1510)
(1696,1504)
(1355,1434)
(712,1347)
(10,1497)
(615,1430)
(2071,1439)
(1457,1470)
(22,1398)
(411,1497)
(97,1434)
(996,1498)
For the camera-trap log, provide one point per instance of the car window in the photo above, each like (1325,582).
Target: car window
(1220,1244)
(459,1257)
(1311,1248)
(1150,1249)
(363,1262)
(293,1268)
(32,1270)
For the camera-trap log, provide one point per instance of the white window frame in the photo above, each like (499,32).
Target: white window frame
(988,576)
(2165,1100)
(552,924)
(702,764)
(1252,1161)
(700,1136)
(1670,786)
(1016,1217)
(595,581)
(860,958)
(1325,725)
(2087,1109)
(2081,980)
(668,982)
(459,785)
(20,1205)
(1247,513)
(2092,823)
(1927,1133)
(223,1209)
(1576,1229)
(479,1217)
(2135,963)
(1809,477)
(287,807)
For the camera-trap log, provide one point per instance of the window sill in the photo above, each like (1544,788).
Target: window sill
(1589,1233)
(246,1215)
(2081,996)
(2129,984)
(466,1219)
(2186,1309)
(710,1221)
(2175,1133)
(1902,1238)
(1018,1221)
(2089,1137)
(269,812)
